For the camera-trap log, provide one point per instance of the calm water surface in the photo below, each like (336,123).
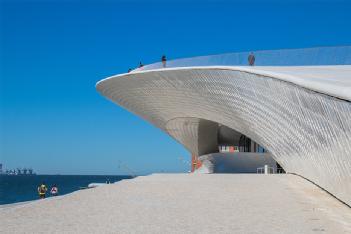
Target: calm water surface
(24,188)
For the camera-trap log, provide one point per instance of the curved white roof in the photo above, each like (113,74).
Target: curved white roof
(296,105)
(307,132)
(331,80)
(334,80)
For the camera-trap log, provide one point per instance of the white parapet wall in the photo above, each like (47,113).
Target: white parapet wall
(307,131)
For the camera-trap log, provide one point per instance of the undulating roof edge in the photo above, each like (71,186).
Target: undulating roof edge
(332,80)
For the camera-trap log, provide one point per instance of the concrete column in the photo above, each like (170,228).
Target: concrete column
(266,169)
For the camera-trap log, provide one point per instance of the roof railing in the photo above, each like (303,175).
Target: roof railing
(337,55)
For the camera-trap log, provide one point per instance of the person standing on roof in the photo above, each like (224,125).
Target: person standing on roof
(251,59)
(164,60)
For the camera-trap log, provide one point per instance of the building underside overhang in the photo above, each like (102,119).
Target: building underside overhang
(306,131)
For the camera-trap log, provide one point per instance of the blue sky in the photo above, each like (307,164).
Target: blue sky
(53,52)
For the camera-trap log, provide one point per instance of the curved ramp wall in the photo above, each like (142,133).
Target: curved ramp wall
(308,133)
(197,135)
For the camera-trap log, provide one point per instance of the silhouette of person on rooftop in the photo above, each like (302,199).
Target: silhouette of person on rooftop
(164,60)
(251,59)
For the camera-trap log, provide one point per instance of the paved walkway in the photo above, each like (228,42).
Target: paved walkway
(186,203)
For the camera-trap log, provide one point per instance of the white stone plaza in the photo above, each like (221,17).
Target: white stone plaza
(186,203)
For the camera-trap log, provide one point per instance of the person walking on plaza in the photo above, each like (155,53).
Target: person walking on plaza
(54,190)
(164,60)
(42,190)
(251,59)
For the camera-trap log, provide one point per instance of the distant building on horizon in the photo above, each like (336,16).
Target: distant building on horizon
(18,171)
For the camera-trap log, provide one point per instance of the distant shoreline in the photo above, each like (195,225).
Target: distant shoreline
(66,175)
